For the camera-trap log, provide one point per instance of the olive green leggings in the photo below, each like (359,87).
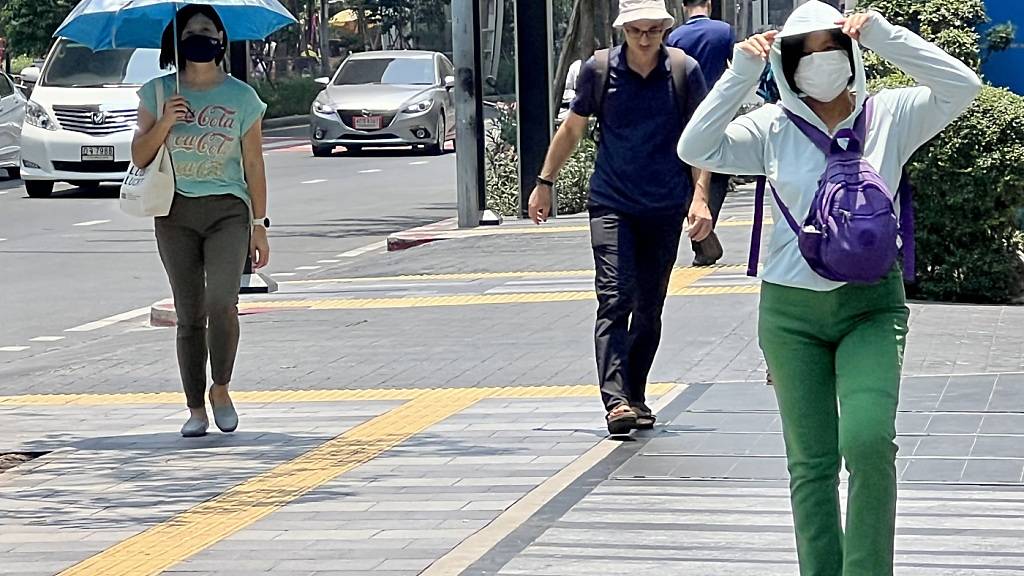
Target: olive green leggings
(835,358)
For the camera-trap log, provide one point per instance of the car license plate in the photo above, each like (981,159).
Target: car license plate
(366,122)
(97,153)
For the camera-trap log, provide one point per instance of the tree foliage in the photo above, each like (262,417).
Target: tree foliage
(30,24)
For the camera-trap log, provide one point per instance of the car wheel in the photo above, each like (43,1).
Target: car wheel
(39,188)
(322,151)
(437,148)
(14,173)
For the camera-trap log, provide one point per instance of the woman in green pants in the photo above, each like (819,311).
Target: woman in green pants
(835,350)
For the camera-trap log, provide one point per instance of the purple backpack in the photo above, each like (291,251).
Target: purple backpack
(850,233)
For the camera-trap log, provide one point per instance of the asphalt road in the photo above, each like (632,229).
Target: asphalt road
(74,259)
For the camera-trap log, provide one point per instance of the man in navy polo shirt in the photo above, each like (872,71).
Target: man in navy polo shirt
(710,43)
(639,194)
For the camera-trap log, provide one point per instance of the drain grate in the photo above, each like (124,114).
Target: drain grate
(13,459)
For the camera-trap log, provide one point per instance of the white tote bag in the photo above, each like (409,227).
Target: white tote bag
(149,191)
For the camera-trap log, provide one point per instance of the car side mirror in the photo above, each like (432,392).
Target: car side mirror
(323,81)
(449,82)
(30,74)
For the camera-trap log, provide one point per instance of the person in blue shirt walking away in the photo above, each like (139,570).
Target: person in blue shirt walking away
(643,94)
(710,43)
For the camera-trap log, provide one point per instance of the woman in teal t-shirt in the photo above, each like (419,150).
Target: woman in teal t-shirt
(219,215)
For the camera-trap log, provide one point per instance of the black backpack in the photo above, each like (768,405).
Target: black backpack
(677,63)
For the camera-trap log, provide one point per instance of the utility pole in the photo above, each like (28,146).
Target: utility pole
(325,40)
(469,113)
(534,49)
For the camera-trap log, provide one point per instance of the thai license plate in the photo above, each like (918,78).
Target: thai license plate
(366,122)
(97,153)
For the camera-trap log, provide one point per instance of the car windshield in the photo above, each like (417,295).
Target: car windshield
(73,65)
(387,71)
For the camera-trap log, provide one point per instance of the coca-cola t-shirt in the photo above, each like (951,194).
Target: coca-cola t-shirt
(207,146)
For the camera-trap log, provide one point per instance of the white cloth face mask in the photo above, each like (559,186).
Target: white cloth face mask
(823,75)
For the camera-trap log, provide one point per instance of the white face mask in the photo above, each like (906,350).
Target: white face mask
(823,75)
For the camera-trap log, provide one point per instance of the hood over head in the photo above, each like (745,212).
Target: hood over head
(813,16)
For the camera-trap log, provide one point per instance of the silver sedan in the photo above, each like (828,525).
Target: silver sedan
(12,114)
(396,98)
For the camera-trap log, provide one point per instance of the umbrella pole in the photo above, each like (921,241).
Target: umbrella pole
(177,62)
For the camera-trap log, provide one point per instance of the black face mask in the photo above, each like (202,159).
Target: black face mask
(201,49)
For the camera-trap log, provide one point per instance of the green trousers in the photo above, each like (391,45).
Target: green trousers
(835,358)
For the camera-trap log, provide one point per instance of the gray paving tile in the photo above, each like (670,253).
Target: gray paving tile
(951,446)
(934,470)
(986,471)
(955,423)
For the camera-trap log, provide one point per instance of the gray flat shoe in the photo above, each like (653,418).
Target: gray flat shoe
(195,427)
(225,417)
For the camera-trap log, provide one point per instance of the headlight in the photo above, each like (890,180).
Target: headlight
(323,107)
(418,107)
(37,116)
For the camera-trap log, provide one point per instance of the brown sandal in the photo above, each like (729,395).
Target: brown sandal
(621,420)
(645,419)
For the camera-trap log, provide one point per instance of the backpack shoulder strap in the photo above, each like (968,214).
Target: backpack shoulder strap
(906,194)
(820,139)
(677,63)
(755,233)
(602,61)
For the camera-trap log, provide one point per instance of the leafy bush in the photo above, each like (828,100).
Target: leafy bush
(19,63)
(501,165)
(290,97)
(969,180)
(970,184)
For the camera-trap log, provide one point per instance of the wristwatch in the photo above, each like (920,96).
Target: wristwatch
(265,223)
(544,182)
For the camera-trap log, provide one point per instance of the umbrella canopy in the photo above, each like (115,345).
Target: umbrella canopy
(107,24)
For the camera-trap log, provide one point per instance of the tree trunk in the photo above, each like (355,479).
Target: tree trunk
(586,30)
(602,13)
(676,10)
(568,55)
(361,24)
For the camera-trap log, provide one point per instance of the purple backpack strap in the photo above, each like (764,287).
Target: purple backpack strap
(822,140)
(755,234)
(906,194)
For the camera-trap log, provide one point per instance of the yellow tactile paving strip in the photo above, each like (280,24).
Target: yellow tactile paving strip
(471,276)
(556,229)
(277,396)
(162,546)
(679,285)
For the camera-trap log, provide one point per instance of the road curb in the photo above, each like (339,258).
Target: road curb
(422,235)
(162,314)
(286,122)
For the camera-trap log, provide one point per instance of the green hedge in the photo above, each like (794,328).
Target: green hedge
(289,97)
(501,163)
(970,188)
(969,179)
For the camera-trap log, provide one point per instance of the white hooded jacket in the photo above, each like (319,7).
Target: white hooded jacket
(766,142)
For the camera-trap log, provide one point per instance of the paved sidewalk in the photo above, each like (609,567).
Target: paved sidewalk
(433,411)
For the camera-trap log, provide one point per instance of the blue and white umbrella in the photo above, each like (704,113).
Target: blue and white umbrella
(108,24)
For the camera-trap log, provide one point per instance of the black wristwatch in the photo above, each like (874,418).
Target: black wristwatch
(265,223)
(543,182)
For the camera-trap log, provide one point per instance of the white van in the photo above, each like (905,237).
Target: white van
(82,115)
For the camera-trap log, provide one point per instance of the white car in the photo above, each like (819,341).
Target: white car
(82,115)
